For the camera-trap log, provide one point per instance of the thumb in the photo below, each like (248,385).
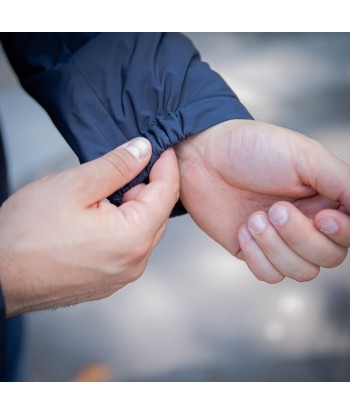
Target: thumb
(109,173)
(327,174)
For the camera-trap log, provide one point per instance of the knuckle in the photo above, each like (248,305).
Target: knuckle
(135,272)
(138,253)
(120,164)
(275,279)
(134,275)
(306,275)
(130,273)
(135,216)
(270,279)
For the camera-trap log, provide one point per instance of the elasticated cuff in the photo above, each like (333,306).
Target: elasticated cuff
(176,127)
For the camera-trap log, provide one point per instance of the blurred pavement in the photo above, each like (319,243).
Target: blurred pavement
(197,313)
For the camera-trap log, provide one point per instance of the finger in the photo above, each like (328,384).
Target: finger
(99,178)
(326,173)
(281,256)
(133,192)
(335,225)
(300,234)
(256,260)
(154,203)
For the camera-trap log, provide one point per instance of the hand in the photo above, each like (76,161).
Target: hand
(239,167)
(60,244)
(290,243)
(285,242)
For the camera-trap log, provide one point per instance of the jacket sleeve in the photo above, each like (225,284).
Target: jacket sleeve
(2,335)
(102,89)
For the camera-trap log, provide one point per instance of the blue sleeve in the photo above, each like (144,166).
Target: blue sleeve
(2,335)
(102,89)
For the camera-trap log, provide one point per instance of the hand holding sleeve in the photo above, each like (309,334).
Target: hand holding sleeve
(101,90)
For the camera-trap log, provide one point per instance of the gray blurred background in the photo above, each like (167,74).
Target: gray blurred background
(197,313)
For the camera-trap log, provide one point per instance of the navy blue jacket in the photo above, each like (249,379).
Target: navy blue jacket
(2,335)
(103,89)
(3,196)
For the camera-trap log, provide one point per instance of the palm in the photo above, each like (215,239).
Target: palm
(238,167)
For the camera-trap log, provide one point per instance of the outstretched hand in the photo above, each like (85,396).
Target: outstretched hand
(233,173)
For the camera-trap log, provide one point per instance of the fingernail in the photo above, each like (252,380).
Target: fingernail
(245,235)
(257,223)
(328,225)
(139,147)
(278,214)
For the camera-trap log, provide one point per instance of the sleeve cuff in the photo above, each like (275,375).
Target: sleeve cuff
(191,119)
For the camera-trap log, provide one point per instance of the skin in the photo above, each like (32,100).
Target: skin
(61,244)
(239,169)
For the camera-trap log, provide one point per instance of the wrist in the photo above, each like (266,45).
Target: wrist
(190,152)
(190,156)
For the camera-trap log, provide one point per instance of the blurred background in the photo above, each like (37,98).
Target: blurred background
(198,314)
